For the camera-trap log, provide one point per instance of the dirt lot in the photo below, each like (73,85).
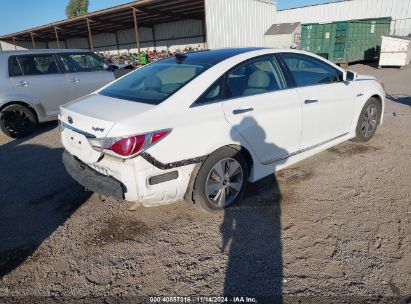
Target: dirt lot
(336,225)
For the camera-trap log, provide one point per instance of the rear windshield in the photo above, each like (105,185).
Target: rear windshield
(154,83)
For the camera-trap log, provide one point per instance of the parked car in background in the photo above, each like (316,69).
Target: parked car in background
(200,126)
(34,83)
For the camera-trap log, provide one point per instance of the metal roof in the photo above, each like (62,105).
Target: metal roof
(148,12)
(282,28)
(41,51)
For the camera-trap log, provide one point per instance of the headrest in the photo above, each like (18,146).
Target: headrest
(259,79)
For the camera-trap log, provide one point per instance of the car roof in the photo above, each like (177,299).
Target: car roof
(211,57)
(41,51)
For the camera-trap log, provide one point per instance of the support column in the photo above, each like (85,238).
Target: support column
(154,38)
(14,43)
(32,40)
(57,37)
(118,45)
(90,38)
(136,30)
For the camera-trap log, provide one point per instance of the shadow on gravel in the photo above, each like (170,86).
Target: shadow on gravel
(37,196)
(400,98)
(252,235)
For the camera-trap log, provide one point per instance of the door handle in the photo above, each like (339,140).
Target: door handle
(23,84)
(310,100)
(241,111)
(75,80)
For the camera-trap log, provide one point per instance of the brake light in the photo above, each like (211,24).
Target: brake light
(130,146)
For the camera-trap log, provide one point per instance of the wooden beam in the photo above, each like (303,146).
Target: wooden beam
(136,30)
(57,37)
(90,38)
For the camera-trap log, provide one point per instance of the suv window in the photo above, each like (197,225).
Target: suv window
(35,65)
(307,70)
(260,75)
(14,67)
(81,62)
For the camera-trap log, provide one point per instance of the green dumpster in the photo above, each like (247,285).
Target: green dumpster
(345,41)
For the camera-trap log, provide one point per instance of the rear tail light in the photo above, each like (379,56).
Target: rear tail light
(129,146)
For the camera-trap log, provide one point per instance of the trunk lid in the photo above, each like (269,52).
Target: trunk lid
(93,116)
(96,114)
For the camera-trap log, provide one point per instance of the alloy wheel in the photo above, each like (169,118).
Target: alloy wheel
(224,182)
(17,122)
(369,121)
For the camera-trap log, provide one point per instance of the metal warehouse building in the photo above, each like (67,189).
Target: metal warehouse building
(176,24)
(398,10)
(155,24)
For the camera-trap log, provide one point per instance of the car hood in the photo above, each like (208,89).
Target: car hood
(96,114)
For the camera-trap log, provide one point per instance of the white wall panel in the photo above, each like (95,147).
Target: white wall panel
(398,10)
(21,45)
(233,23)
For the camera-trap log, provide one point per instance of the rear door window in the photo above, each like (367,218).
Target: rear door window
(34,65)
(213,93)
(14,67)
(81,62)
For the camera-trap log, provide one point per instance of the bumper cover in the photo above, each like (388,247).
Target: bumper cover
(93,180)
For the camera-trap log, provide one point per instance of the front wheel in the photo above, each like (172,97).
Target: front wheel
(17,121)
(221,181)
(368,121)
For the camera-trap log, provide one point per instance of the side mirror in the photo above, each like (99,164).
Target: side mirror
(350,76)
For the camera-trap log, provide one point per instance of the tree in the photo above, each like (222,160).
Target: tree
(76,8)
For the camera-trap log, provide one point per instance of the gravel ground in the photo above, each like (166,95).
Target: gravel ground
(335,226)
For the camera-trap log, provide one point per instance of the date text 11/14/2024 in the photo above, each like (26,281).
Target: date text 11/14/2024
(202,299)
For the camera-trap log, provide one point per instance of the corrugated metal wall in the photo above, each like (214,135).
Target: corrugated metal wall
(77,43)
(53,44)
(399,10)
(238,22)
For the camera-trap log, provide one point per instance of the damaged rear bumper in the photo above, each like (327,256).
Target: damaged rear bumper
(93,180)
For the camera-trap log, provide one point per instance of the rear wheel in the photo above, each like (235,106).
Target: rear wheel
(17,121)
(368,121)
(221,181)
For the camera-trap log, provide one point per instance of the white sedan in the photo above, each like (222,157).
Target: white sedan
(200,126)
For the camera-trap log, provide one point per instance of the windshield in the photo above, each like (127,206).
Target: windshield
(154,83)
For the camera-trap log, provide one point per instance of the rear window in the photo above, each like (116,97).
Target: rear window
(154,83)
(32,65)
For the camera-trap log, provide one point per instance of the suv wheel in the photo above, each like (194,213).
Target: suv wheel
(221,181)
(17,121)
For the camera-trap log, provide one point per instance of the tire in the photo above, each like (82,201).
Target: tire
(17,121)
(368,121)
(226,172)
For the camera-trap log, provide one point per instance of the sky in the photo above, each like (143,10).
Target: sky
(17,15)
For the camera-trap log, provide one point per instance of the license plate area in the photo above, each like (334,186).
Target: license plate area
(78,145)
